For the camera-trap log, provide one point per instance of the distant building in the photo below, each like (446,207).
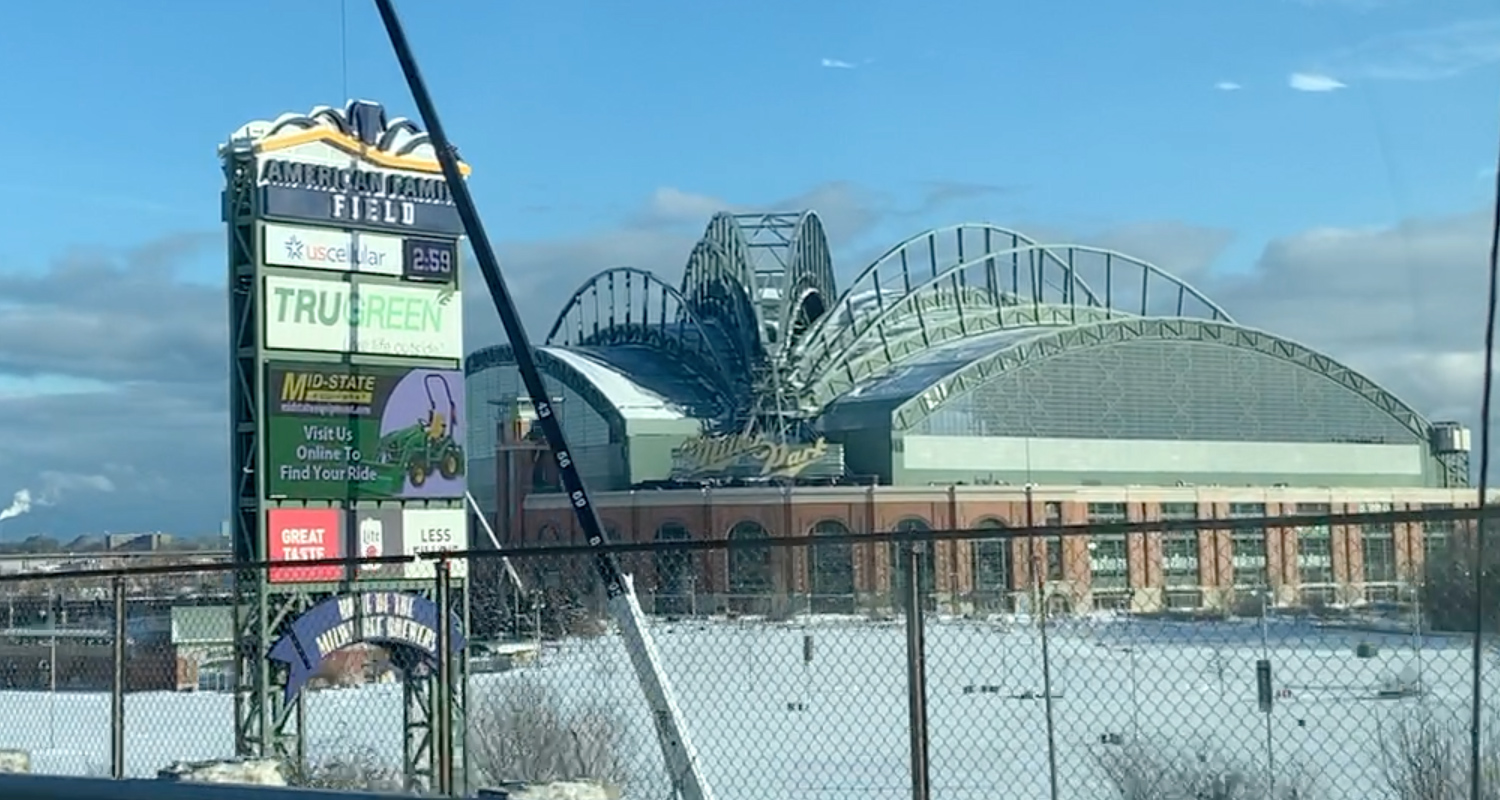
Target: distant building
(137,542)
(71,659)
(971,377)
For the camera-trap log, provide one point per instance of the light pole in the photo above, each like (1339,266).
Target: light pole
(1265,647)
(51,671)
(1135,702)
(1416,599)
(1265,655)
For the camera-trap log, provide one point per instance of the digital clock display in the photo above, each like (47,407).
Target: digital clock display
(429,259)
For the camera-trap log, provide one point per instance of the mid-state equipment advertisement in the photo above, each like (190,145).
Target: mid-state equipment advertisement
(340,432)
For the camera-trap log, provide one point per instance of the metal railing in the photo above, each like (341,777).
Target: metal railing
(970,665)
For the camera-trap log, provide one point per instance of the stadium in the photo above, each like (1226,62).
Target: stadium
(971,377)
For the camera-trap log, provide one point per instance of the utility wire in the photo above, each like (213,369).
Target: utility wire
(344,47)
(1475,736)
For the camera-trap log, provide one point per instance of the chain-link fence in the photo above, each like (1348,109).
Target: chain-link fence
(1046,670)
(966,664)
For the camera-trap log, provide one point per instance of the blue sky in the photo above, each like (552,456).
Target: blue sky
(1103,111)
(1308,159)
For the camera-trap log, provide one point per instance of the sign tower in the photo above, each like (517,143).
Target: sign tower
(347,398)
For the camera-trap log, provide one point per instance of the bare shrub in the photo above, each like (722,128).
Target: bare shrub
(1144,771)
(1426,758)
(343,669)
(520,730)
(1246,604)
(571,611)
(353,769)
(784,608)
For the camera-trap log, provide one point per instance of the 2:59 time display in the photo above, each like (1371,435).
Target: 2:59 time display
(429,259)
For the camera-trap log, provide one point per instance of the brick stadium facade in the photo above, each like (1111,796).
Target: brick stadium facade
(1143,572)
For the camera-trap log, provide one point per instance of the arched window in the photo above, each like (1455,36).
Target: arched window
(749,567)
(831,571)
(927,580)
(548,571)
(674,572)
(993,579)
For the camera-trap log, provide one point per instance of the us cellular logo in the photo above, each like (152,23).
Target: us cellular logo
(337,255)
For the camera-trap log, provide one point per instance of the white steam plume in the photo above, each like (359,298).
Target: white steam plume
(53,486)
(20,504)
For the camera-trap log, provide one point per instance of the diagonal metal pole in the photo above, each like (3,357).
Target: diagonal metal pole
(678,752)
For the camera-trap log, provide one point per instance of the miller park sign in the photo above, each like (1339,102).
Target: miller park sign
(753,456)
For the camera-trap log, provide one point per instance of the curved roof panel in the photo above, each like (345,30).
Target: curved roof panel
(915,375)
(643,384)
(633,400)
(918,386)
(621,382)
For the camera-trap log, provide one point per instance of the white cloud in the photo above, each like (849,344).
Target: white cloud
(1422,54)
(1402,303)
(146,438)
(1314,82)
(672,206)
(1228,86)
(837,63)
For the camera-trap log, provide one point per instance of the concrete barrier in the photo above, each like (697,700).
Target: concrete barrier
(250,771)
(39,787)
(557,790)
(14,762)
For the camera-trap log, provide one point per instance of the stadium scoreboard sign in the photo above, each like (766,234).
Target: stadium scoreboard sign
(344,230)
(320,193)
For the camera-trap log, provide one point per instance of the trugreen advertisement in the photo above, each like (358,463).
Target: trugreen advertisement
(347,433)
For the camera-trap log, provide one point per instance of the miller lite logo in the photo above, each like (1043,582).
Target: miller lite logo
(371,541)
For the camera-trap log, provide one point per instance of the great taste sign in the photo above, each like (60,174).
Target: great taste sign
(372,318)
(401,621)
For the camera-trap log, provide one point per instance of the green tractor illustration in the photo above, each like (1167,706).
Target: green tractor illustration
(428,444)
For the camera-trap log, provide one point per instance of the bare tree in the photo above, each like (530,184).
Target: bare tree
(1145,771)
(1427,758)
(350,769)
(520,730)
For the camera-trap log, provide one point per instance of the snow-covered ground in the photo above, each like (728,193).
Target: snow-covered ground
(767,723)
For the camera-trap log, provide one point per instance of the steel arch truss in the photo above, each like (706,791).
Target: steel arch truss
(792,271)
(1051,344)
(922,257)
(717,283)
(1007,263)
(916,332)
(761,278)
(625,305)
(964,299)
(502,355)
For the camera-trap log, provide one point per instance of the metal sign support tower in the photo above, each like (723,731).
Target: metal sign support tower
(265,724)
(678,752)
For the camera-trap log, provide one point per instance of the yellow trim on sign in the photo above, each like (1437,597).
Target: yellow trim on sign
(353,147)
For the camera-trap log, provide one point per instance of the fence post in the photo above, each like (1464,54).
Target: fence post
(916,669)
(441,710)
(117,688)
